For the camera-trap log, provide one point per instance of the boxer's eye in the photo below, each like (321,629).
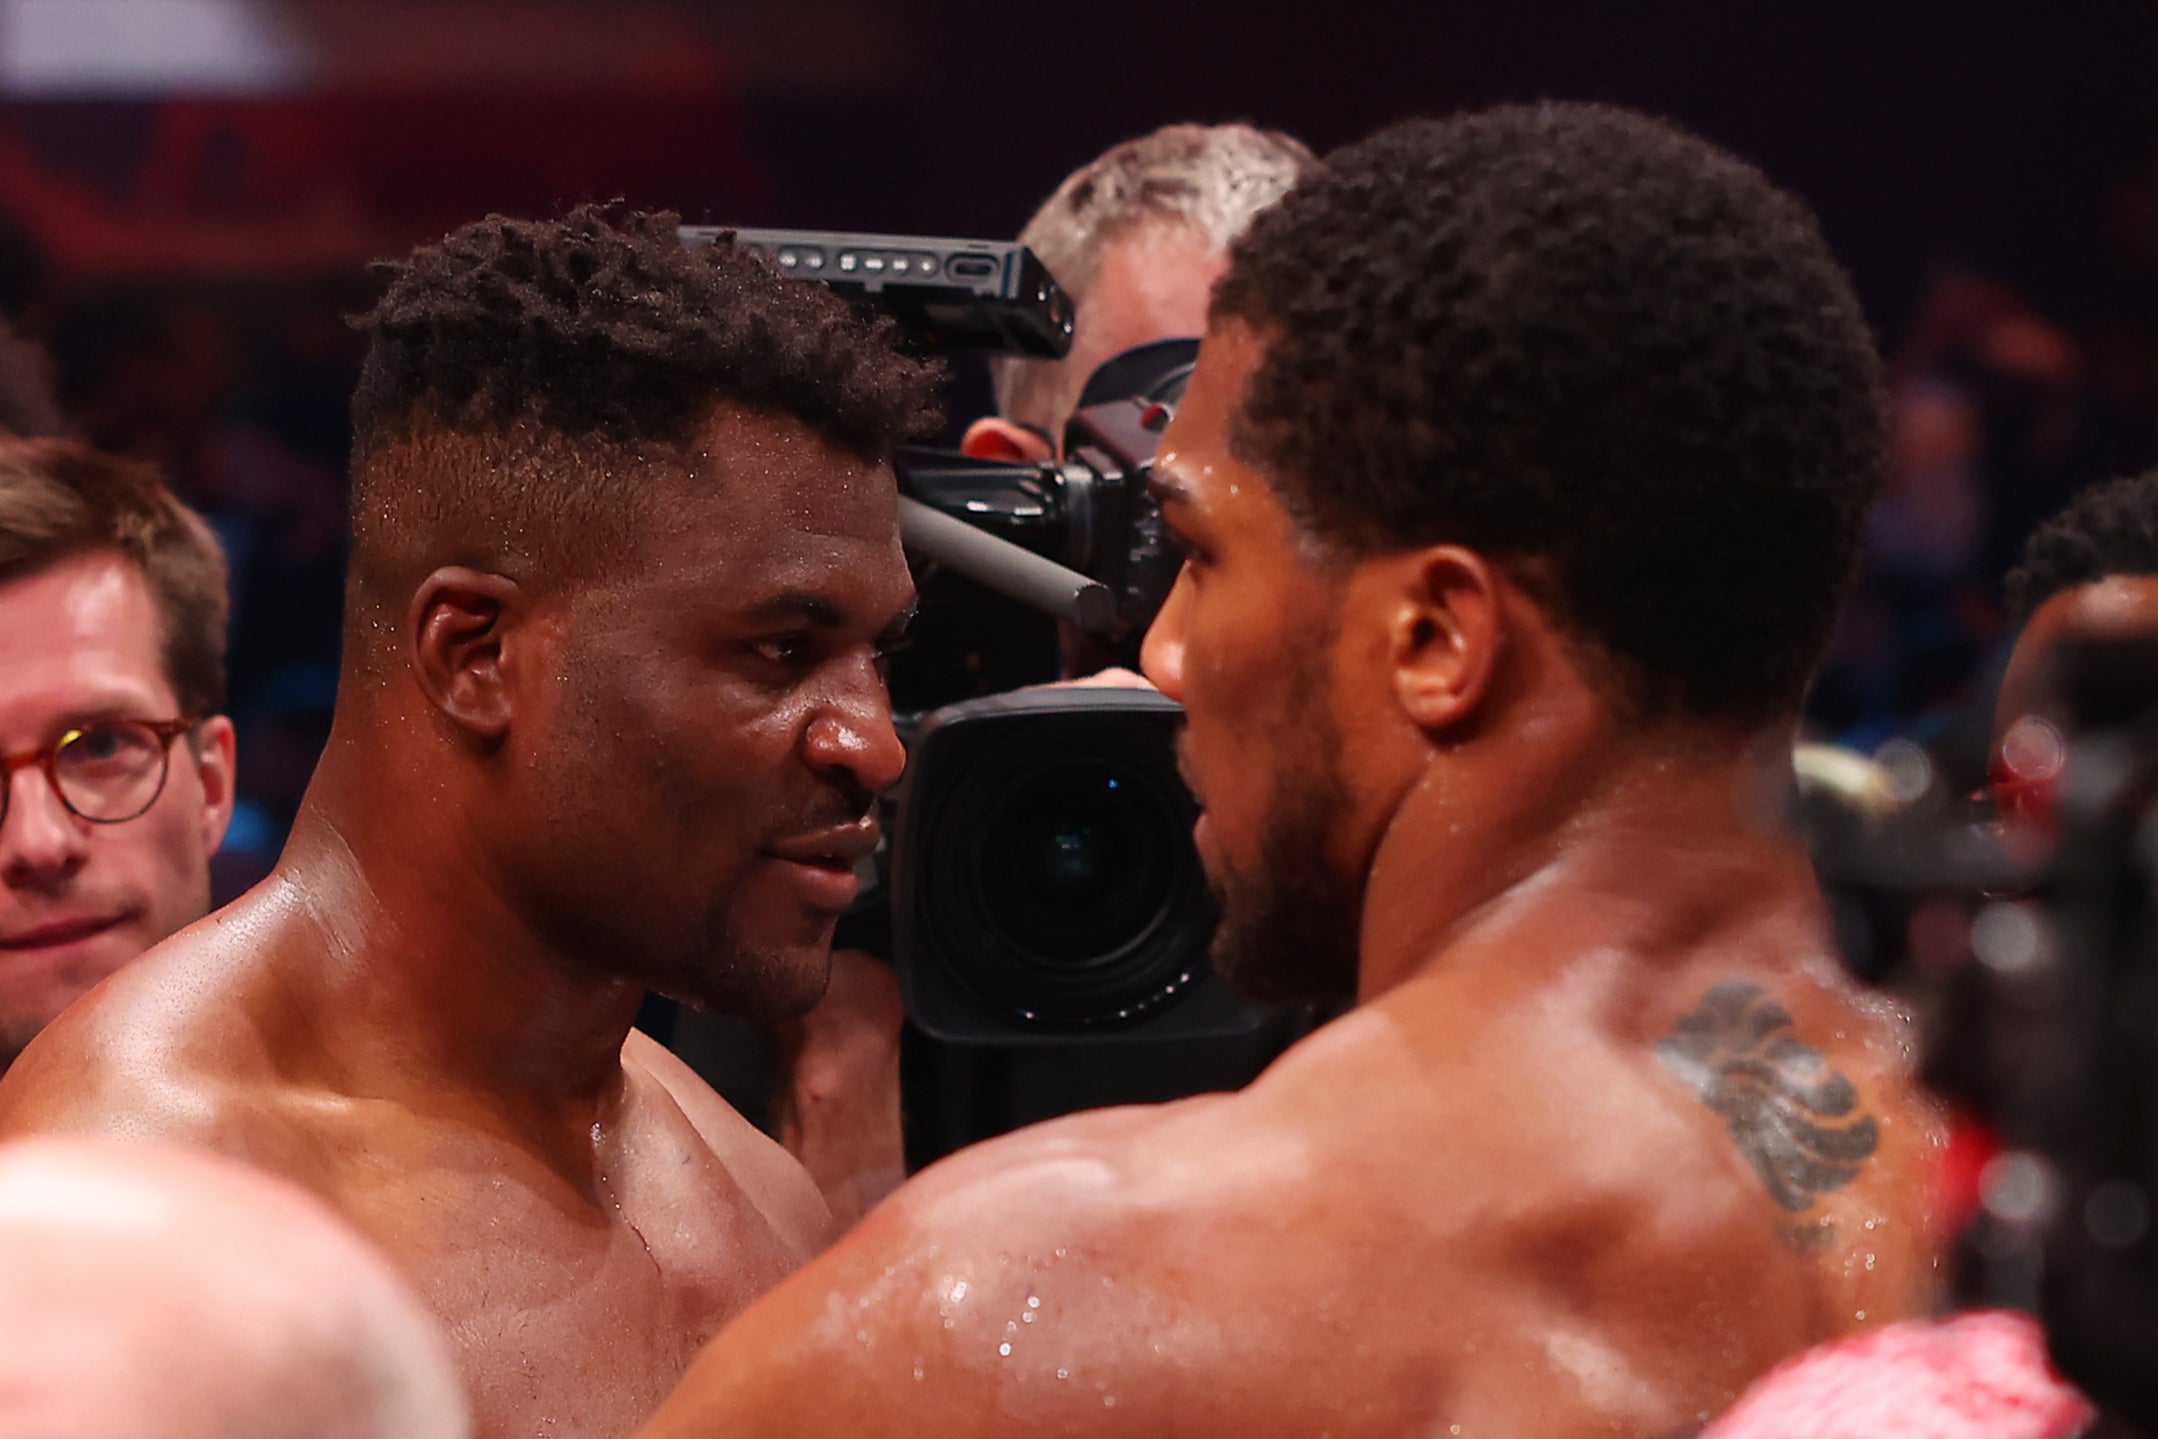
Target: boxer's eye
(793,650)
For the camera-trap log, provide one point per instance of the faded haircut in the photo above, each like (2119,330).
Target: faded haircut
(524,378)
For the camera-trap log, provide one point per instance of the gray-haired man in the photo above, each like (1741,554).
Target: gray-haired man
(1137,237)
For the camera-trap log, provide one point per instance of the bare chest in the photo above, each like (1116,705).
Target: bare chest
(573,1302)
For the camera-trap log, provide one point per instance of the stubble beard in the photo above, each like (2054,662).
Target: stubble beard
(729,975)
(1290,923)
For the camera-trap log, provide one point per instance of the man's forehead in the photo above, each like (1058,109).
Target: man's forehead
(2116,607)
(734,435)
(742,566)
(758,471)
(1195,448)
(1152,281)
(83,633)
(95,600)
(718,550)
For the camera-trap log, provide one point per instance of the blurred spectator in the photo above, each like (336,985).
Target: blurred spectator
(28,407)
(2000,414)
(2089,572)
(116,763)
(151,1294)
(239,399)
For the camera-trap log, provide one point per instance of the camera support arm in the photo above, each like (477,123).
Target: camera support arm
(1008,569)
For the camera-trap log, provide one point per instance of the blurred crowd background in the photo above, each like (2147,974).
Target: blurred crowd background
(190,191)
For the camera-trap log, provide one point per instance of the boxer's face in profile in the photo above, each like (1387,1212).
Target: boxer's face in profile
(719,728)
(1245,644)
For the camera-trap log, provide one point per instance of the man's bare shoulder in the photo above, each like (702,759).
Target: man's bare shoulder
(1020,1281)
(1455,1204)
(1146,1268)
(163,1049)
(772,1179)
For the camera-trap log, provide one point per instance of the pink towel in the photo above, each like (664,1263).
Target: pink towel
(1982,1375)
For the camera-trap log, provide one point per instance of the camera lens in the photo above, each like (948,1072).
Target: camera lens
(1047,864)
(1075,865)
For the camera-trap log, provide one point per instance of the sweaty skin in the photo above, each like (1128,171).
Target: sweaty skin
(1607,1135)
(411,1018)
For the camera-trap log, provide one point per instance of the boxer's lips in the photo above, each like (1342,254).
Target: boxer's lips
(823,863)
(68,929)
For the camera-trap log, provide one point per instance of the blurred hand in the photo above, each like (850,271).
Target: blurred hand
(840,1097)
(1103,679)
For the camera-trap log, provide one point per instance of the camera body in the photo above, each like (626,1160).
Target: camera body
(1043,884)
(1090,510)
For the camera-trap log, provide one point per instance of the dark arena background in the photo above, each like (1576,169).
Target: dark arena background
(189,190)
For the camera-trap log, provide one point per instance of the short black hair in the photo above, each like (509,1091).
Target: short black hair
(2109,529)
(541,341)
(1578,336)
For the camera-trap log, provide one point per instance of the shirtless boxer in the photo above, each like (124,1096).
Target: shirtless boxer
(1522,470)
(625,555)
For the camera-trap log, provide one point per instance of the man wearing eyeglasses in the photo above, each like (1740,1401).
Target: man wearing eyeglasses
(116,766)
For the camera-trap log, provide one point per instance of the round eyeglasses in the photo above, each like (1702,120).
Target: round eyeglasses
(107,773)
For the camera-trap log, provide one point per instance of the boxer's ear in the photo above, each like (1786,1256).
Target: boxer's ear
(1447,635)
(991,438)
(461,623)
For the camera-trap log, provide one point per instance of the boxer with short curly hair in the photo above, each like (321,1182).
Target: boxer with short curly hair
(1517,482)
(612,718)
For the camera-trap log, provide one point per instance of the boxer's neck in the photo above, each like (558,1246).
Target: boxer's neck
(1616,824)
(428,965)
